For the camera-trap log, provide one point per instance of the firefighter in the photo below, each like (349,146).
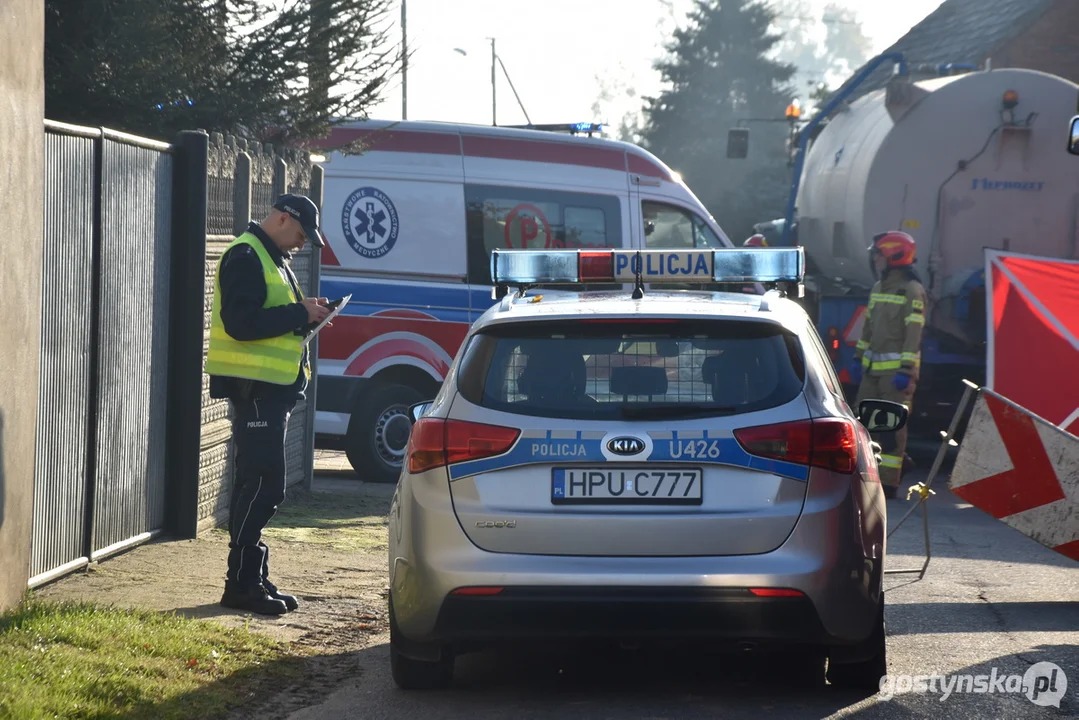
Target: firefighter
(890,346)
(257,359)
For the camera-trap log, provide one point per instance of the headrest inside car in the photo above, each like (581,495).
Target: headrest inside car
(635,380)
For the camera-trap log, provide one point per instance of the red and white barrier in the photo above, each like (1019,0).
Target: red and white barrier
(1022,470)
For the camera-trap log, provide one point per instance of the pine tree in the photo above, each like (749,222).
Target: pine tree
(718,73)
(267,71)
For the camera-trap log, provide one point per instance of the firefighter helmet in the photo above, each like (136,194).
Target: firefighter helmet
(756,241)
(898,248)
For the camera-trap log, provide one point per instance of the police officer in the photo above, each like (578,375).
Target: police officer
(258,361)
(890,347)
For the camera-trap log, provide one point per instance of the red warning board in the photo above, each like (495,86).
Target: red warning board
(853,333)
(1022,470)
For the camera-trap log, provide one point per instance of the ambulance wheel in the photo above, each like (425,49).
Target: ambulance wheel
(378,432)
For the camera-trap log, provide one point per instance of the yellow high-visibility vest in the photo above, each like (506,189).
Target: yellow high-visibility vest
(274,360)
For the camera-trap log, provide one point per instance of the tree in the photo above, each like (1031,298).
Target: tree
(826,48)
(273,73)
(718,73)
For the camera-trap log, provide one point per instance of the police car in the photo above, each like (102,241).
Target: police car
(641,465)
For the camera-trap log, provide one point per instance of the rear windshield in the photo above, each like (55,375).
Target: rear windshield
(640,370)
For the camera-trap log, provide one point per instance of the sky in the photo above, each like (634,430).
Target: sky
(558,53)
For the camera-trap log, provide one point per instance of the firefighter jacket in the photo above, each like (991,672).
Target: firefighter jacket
(894,321)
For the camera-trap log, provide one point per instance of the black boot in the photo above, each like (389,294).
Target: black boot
(291,603)
(252,599)
(290,600)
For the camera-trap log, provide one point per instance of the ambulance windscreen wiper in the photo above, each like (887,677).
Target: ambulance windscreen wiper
(673,410)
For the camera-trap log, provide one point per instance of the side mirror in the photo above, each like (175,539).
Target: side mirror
(880,416)
(419,410)
(1073,139)
(738,143)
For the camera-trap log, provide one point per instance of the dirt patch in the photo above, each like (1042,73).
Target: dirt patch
(327,547)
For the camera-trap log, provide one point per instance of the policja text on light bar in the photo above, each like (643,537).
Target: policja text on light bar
(690,267)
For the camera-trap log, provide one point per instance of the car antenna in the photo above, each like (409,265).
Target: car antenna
(638,283)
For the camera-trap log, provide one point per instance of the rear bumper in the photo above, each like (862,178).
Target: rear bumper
(547,596)
(628,612)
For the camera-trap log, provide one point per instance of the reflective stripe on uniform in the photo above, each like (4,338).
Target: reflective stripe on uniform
(891,461)
(862,345)
(911,357)
(914,318)
(918,305)
(888,298)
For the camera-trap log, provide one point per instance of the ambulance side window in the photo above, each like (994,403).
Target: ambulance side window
(534,219)
(669,226)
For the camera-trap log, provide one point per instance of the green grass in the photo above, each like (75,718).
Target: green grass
(337,521)
(78,660)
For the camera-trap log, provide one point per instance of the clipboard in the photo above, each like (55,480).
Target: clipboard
(336,306)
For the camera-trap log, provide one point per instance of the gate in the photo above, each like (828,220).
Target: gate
(99,475)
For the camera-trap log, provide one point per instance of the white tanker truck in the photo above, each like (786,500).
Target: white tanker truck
(961,163)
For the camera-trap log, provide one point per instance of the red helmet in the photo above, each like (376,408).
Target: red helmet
(897,247)
(756,241)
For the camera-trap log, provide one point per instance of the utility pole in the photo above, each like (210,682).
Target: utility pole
(404,61)
(494,104)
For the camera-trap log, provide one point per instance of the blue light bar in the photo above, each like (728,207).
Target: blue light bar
(763,265)
(531,267)
(688,267)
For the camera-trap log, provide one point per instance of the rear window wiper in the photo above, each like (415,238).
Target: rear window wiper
(673,410)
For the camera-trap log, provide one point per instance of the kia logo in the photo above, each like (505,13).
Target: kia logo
(625,445)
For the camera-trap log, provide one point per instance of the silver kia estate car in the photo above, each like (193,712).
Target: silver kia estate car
(637,465)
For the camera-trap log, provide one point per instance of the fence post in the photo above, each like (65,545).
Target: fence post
(187,312)
(280,176)
(317,183)
(241,201)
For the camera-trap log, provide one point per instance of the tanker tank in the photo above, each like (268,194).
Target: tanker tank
(961,163)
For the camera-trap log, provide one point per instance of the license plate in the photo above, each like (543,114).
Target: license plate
(626,486)
(660,265)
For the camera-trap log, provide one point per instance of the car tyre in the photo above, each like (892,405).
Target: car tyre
(412,674)
(378,432)
(864,675)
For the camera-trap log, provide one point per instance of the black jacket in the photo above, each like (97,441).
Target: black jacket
(243,291)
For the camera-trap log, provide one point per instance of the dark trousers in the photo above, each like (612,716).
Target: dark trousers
(258,430)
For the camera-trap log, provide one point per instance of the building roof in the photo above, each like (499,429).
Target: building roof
(958,31)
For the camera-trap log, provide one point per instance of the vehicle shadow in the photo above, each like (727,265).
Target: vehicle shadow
(972,617)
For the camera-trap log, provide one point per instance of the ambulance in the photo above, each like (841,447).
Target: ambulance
(411,213)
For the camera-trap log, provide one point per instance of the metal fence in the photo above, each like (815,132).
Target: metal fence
(243,180)
(129,444)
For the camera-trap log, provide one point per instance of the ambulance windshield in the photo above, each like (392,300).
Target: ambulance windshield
(669,226)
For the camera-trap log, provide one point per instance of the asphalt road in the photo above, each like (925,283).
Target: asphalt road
(991,599)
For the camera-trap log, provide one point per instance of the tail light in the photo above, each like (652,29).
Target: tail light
(833,344)
(828,443)
(436,442)
(776,592)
